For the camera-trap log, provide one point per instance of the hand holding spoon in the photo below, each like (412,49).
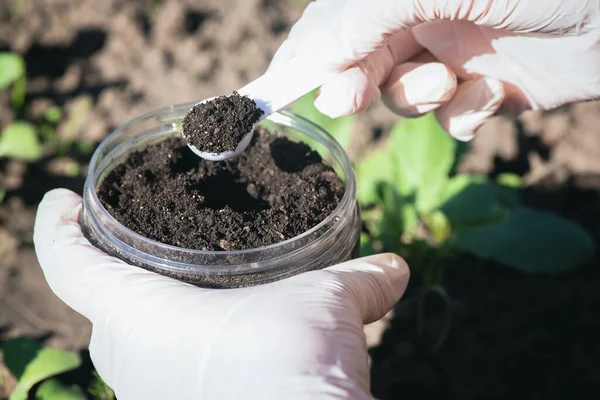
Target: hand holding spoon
(269,93)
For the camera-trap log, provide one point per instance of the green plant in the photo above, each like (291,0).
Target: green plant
(19,140)
(29,141)
(99,389)
(12,73)
(37,370)
(409,189)
(415,204)
(31,363)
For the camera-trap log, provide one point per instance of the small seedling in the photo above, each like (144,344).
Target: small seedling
(19,140)
(12,73)
(31,363)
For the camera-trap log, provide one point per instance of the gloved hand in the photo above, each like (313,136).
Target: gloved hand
(157,338)
(465,59)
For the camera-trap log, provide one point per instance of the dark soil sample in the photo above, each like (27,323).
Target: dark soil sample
(275,190)
(220,124)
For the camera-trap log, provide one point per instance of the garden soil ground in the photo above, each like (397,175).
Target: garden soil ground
(512,336)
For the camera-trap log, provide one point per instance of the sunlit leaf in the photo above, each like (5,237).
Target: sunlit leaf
(509,180)
(458,183)
(53,389)
(12,67)
(53,114)
(31,363)
(528,240)
(372,169)
(424,155)
(439,225)
(19,140)
(341,129)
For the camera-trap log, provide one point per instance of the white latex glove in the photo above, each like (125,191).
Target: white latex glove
(157,338)
(506,55)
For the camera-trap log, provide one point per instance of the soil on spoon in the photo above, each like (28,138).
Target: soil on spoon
(220,124)
(273,191)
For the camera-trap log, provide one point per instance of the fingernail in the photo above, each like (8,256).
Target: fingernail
(338,97)
(428,84)
(473,104)
(335,102)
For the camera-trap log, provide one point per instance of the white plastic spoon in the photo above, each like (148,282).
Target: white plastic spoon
(272,91)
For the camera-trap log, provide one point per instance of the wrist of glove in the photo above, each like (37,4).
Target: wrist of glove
(157,338)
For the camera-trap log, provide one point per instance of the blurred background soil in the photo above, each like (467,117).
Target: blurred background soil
(105,62)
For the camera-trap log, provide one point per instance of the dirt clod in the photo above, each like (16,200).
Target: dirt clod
(220,124)
(275,190)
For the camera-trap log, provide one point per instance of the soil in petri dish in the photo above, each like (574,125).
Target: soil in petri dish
(273,191)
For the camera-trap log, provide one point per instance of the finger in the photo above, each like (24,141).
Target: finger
(345,94)
(80,274)
(474,103)
(414,88)
(354,89)
(374,284)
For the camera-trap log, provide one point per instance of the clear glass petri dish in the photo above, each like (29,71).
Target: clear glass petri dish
(334,240)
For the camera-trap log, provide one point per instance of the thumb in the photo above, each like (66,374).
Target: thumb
(81,275)
(374,284)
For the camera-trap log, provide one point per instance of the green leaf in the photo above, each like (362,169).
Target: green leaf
(509,180)
(399,216)
(99,389)
(30,363)
(458,183)
(18,352)
(472,199)
(84,147)
(12,67)
(439,225)
(530,241)
(341,129)
(53,389)
(53,115)
(19,140)
(17,96)
(370,171)
(424,155)
(2,194)
(366,245)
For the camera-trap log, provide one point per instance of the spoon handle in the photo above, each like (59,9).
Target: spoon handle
(276,89)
